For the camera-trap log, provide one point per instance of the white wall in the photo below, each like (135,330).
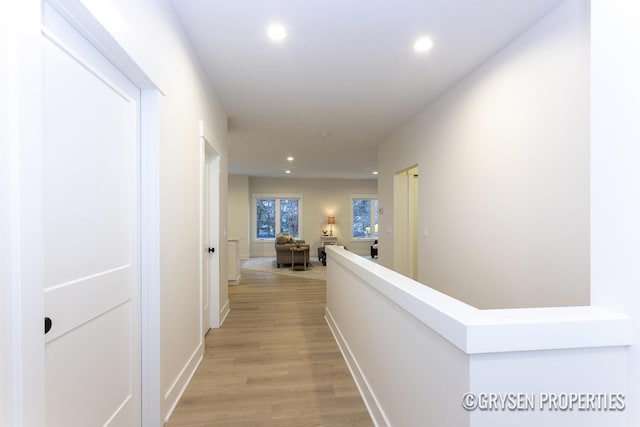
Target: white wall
(239,211)
(321,198)
(5,252)
(154,38)
(6,225)
(550,371)
(615,171)
(504,173)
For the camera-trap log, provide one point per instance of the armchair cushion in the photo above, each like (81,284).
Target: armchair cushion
(282,239)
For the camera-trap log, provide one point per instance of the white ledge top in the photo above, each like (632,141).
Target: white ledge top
(476,331)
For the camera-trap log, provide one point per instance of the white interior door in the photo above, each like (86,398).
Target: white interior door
(213,221)
(212,292)
(91,240)
(206,251)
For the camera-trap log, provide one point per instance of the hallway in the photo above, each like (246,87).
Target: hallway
(274,362)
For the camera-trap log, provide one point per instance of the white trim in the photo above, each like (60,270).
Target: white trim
(363,239)
(374,408)
(83,21)
(150,316)
(477,331)
(201,222)
(21,335)
(181,382)
(365,196)
(224,312)
(218,279)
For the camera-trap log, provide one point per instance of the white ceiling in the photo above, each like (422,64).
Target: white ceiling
(346,67)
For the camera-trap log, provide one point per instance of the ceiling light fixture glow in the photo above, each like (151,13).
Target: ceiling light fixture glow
(375,172)
(277,32)
(287,171)
(423,44)
(290,158)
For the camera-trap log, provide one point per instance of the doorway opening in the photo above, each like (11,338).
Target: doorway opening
(405,222)
(210,230)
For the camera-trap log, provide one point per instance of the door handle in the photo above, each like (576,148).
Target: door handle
(48,323)
(212,250)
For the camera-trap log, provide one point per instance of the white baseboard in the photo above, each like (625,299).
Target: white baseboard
(224,312)
(373,406)
(175,392)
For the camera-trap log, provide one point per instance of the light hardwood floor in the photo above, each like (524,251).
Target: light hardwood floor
(274,362)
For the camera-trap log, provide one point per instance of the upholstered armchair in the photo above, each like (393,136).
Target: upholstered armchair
(283,244)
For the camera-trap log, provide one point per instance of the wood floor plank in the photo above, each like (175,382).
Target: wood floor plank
(274,362)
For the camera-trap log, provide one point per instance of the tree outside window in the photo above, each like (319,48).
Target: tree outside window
(289,216)
(365,218)
(275,215)
(266,218)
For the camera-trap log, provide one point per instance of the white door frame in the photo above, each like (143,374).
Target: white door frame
(405,223)
(209,156)
(21,272)
(412,235)
(150,321)
(26,401)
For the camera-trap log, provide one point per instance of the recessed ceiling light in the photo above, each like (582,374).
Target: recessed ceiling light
(290,158)
(277,32)
(375,172)
(423,44)
(287,171)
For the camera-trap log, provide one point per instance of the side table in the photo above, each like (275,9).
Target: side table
(305,257)
(329,240)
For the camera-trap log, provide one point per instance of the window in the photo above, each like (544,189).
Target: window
(289,216)
(266,218)
(365,217)
(277,214)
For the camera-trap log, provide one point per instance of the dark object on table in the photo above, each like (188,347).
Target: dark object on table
(374,249)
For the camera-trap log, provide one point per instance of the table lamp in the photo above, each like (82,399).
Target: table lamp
(331,220)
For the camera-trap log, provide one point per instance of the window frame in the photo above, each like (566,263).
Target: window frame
(277,197)
(369,197)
